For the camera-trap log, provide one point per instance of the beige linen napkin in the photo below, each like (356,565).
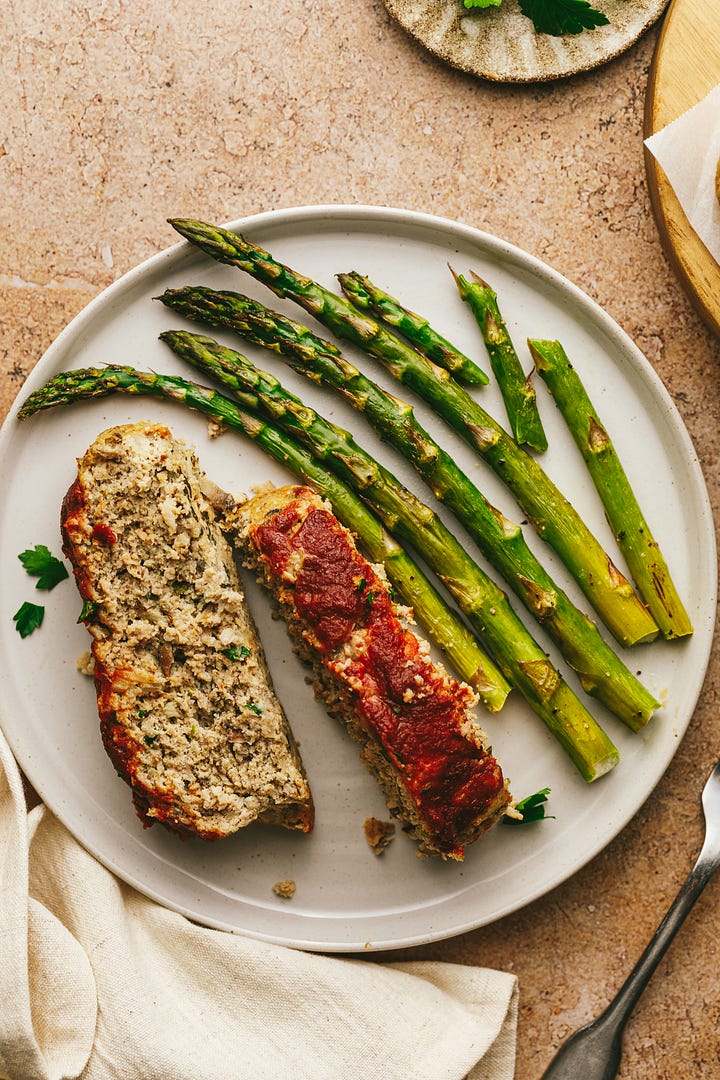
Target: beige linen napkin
(99,982)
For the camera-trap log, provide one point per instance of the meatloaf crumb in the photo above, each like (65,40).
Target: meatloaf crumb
(378,833)
(285,889)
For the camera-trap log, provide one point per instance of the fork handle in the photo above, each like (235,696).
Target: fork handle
(594,1051)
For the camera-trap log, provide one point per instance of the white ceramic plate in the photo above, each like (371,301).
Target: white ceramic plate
(347,898)
(500,43)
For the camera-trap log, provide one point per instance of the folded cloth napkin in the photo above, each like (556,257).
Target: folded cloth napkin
(98,982)
(688,149)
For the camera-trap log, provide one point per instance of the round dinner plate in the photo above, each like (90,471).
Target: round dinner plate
(500,43)
(347,898)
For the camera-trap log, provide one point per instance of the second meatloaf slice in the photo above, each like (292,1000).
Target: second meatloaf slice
(415,722)
(187,710)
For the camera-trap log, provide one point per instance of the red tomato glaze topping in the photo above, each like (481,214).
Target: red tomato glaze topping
(104,534)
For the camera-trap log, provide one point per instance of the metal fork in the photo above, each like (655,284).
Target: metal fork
(594,1051)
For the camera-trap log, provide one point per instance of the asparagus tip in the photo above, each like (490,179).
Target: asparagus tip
(479,281)
(188,227)
(535,347)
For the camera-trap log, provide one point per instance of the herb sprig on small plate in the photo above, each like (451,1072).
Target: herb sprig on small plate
(554,17)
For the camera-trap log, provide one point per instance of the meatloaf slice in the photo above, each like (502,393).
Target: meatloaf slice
(415,722)
(187,710)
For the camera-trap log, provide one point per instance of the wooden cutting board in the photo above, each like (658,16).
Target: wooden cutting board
(686,66)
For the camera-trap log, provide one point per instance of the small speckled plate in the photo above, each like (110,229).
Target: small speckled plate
(501,43)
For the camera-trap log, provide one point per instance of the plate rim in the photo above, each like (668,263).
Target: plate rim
(301,216)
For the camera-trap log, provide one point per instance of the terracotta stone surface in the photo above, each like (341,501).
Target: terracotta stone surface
(117,115)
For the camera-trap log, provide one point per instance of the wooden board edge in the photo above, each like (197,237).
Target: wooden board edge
(696,271)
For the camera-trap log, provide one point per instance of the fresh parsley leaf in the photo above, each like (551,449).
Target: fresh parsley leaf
(532,809)
(557,17)
(254,707)
(89,608)
(42,564)
(481,3)
(27,618)
(236,652)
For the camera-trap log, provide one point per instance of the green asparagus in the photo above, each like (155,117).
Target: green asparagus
(636,541)
(517,391)
(601,672)
(440,622)
(555,519)
(518,656)
(416,329)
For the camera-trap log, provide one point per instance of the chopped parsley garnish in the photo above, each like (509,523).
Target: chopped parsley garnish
(554,17)
(253,707)
(89,608)
(532,809)
(360,585)
(42,564)
(27,618)
(142,713)
(557,17)
(236,652)
(150,739)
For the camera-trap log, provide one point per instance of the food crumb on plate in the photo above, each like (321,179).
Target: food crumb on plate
(284,889)
(85,663)
(378,833)
(215,428)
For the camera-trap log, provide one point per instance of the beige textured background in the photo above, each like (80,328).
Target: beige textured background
(115,115)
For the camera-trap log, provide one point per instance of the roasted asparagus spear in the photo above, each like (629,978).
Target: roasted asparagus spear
(637,543)
(369,297)
(517,391)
